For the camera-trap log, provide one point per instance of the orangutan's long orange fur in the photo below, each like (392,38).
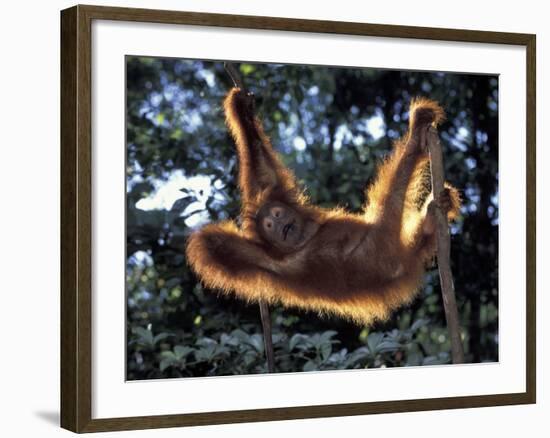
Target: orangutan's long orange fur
(364,284)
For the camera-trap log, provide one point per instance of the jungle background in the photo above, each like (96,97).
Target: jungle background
(331,126)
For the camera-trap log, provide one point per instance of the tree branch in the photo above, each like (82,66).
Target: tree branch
(444,249)
(264,308)
(268,340)
(234,75)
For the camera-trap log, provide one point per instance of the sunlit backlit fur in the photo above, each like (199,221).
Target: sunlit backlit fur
(358,266)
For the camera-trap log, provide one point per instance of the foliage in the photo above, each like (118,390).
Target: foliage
(331,125)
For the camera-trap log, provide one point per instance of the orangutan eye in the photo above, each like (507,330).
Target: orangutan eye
(268,223)
(277,212)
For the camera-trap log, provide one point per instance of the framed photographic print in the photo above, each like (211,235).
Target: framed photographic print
(267,218)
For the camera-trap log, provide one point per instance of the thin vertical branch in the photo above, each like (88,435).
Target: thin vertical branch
(268,340)
(234,75)
(444,249)
(264,308)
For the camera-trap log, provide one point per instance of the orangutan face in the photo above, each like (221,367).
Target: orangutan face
(281,226)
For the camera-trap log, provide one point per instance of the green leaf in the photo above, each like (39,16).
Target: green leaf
(257,342)
(360,354)
(344,188)
(181,204)
(168,355)
(206,353)
(205,341)
(249,357)
(418,324)
(278,337)
(145,336)
(247,69)
(165,363)
(221,350)
(160,337)
(414,359)
(431,360)
(182,351)
(176,134)
(140,190)
(226,339)
(295,340)
(172,282)
(387,345)
(326,336)
(310,366)
(240,335)
(373,340)
(326,350)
